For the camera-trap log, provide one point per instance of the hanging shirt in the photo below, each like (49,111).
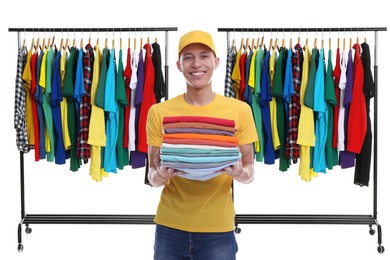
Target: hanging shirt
(39,102)
(256,110)
(265,98)
(111,108)
(83,148)
(342,85)
(148,99)
(288,88)
(127,78)
(138,158)
(336,76)
(363,159)
(306,136)
(27,79)
(159,84)
(272,105)
(321,120)
(46,83)
(330,98)
(121,99)
(347,158)
(97,128)
(248,89)
(277,93)
(20,123)
(236,75)
(64,104)
(243,59)
(230,62)
(133,86)
(357,120)
(292,148)
(34,106)
(55,103)
(68,92)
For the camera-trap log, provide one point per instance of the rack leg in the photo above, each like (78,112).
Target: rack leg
(20,245)
(381,248)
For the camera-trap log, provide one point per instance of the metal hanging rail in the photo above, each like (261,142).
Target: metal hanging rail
(369,220)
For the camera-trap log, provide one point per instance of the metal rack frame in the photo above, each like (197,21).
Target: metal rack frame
(27,219)
(325,219)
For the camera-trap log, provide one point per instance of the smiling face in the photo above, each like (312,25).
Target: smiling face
(197,62)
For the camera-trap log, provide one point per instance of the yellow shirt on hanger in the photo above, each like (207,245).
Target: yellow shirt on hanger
(97,131)
(27,86)
(63,104)
(272,104)
(306,137)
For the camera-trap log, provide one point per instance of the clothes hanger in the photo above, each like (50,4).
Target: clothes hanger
(276,41)
(307,38)
(36,45)
(97,39)
(242,43)
(113,40)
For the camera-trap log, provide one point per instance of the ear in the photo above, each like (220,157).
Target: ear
(178,65)
(216,63)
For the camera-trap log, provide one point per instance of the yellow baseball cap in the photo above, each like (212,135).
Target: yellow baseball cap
(196,37)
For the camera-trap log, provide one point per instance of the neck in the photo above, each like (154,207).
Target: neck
(199,97)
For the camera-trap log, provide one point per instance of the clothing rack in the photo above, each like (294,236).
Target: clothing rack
(325,219)
(28,219)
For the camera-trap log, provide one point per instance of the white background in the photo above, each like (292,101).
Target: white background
(53,189)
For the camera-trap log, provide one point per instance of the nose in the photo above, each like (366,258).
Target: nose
(196,62)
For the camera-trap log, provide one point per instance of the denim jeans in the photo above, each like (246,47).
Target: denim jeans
(173,244)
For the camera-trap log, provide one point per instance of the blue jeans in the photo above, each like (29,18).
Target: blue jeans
(173,244)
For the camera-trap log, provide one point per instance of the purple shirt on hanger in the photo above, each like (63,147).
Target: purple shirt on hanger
(347,159)
(137,159)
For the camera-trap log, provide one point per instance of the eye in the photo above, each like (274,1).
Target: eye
(187,57)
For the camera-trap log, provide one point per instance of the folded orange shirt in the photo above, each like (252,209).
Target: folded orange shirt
(223,138)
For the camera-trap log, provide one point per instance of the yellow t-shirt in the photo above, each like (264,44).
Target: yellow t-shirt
(306,136)
(192,205)
(27,78)
(272,104)
(97,130)
(63,104)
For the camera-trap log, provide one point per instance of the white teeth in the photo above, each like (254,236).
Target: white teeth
(197,73)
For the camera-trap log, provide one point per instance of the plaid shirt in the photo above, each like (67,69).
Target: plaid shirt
(83,148)
(230,61)
(20,105)
(292,148)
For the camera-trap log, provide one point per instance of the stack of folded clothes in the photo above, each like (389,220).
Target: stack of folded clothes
(199,146)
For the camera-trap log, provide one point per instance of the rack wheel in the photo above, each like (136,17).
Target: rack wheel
(237,230)
(28,230)
(20,247)
(381,249)
(372,231)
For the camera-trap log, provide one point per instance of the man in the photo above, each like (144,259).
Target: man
(195,218)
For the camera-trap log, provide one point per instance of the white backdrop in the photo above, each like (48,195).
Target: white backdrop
(54,189)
